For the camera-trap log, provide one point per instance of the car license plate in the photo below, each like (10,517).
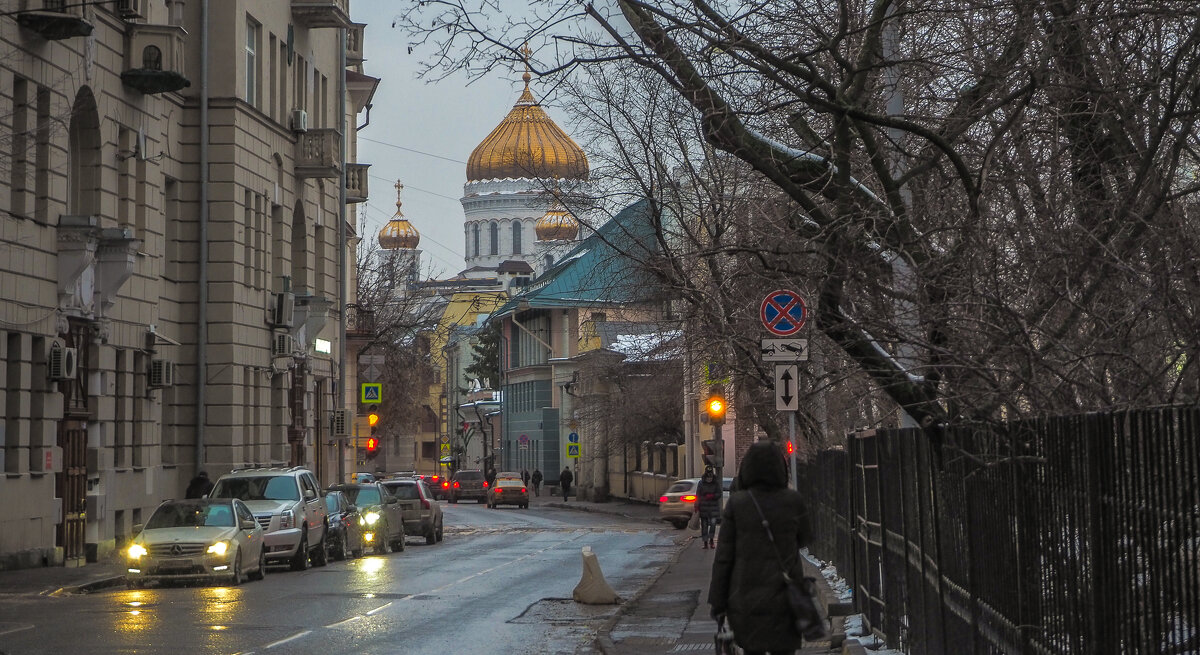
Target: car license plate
(175,564)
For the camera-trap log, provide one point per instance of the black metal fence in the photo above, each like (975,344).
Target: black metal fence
(1071,535)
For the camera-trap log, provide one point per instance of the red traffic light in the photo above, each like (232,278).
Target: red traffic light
(372,444)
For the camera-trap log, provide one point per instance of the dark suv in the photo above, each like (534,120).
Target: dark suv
(468,483)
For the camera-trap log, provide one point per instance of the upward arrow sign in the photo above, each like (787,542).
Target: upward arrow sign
(786,377)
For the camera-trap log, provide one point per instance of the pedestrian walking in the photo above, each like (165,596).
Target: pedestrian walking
(199,487)
(537,481)
(490,477)
(525,476)
(564,480)
(708,506)
(747,586)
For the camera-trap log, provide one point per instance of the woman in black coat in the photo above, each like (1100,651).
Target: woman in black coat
(708,505)
(747,576)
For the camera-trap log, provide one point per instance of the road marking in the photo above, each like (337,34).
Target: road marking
(16,629)
(349,620)
(378,609)
(294,637)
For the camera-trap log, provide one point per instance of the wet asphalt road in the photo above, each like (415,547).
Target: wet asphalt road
(500,582)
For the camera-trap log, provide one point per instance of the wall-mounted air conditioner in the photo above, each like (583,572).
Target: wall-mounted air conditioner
(162,373)
(283,309)
(282,345)
(62,364)
(341,422)
(131,9)
(299,120)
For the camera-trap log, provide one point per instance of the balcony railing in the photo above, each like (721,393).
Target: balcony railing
(318,154)
(318,13)
(354,43)
(360,323)
(356,183)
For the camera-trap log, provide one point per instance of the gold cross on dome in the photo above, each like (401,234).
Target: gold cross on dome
(399,190)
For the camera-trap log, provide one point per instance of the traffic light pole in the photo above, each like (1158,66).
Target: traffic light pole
(720,451)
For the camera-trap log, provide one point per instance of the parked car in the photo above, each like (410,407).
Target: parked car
(422,514)
(345,535)
(205,538)
(508,491)
(678,503)
(287,504)
(380,518)
(468,484)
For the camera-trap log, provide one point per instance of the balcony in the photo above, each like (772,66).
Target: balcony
(154,58)
(356,183)
(315,14)
(360,323)
(354,44)
(318,154)
(56,20)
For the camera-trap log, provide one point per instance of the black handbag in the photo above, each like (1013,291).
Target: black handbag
(801,594)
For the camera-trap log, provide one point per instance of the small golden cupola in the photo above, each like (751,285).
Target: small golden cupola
(527,144)
(399,234)
(557,225)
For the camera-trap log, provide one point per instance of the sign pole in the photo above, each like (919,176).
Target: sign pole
(792,437)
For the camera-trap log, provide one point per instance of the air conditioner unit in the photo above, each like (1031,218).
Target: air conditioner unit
(341,422)
(130,9)
(283,309)
(299,120)
(63,364)
(162,373)
(282,345)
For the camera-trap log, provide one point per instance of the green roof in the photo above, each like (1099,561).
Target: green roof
(604,269)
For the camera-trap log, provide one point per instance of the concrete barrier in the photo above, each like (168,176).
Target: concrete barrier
(593,589)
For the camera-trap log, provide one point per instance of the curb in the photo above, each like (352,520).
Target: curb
(90,586)
(597,510)
(604,635)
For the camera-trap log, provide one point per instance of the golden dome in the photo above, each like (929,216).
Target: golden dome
(557,225)
(399,233)
(527,144)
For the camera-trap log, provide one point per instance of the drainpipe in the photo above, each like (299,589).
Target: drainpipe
(202,299)
(343,299)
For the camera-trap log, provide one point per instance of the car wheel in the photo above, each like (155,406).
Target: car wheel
(320,556)
(399,545)
(300,559)
(237,569)
(357,552)
(381,546)
(439,530)
(453,500)
(261,571)
(525,506)
(679,525)
(431,536)
(339,552)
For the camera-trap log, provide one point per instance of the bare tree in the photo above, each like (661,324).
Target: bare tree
(992,203)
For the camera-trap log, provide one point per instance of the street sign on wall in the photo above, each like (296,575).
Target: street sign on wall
(783,312)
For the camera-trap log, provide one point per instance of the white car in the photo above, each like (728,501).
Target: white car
(678,503)
(288,504)
(202,539)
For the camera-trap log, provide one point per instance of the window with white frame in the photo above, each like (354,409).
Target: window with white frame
(252,35)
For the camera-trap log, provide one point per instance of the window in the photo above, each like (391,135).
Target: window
(516,229)
(476,230)
(152,58)
(252,31)
(494,238)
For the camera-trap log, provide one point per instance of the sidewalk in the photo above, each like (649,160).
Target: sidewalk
(670,613)
(57,580)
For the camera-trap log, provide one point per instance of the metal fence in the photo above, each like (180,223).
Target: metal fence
(1071,535)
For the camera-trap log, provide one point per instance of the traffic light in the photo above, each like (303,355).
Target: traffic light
(791,448)
(373,421)
(714,453)
(714,406)
(372,447)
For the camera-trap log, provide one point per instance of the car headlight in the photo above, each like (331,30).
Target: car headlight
(219,548)
(287,520)
(136,551)
(371,517)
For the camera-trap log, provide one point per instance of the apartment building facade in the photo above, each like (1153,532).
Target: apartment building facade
(175,230)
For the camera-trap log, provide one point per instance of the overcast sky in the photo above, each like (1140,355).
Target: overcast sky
(422,134)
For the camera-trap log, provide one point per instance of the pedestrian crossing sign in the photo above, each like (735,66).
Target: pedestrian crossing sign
(573,450)
(372,393)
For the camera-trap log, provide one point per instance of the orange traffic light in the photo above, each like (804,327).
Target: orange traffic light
(714,406)
(372,419)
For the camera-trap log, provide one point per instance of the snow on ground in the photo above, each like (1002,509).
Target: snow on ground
(854,624)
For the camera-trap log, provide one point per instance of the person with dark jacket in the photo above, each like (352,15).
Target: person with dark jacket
(747,586)
(708,505)
(537,481)
(564,480)
(199,487)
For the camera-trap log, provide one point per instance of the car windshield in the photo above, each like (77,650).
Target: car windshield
(362,495)
(680,487)
(265,487)
(404,491)
(468,475)
(191,515)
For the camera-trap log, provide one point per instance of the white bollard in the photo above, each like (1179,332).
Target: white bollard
(593,589)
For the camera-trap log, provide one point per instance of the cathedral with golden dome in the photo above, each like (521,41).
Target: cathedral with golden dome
(398,241)
(513,177)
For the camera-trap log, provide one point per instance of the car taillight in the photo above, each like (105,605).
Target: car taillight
(456,484)
(485,484)
(524,490)
(688,499)
(445,484)
(663,499)
(436,478)
(425,504)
